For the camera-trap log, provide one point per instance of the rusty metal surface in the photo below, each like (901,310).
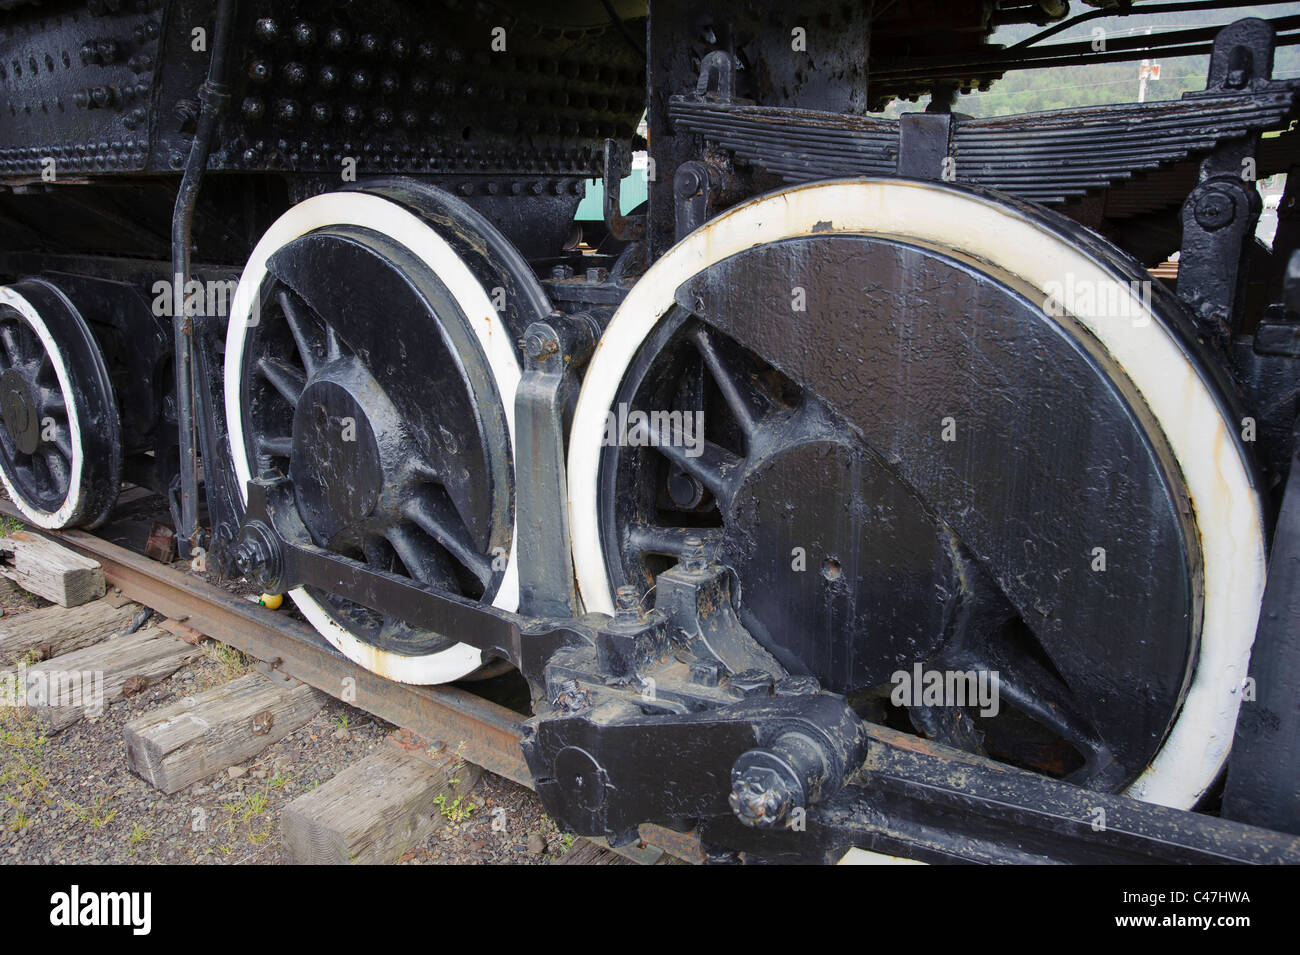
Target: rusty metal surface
(477,730)
(482,732)
(899,768)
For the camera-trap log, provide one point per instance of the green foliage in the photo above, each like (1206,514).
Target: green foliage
(1030,91)
(454,810)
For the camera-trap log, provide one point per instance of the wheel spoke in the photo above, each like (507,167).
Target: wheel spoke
(275,447)
(12,343)
(717,369)
(58,469)
(1041,695)
(987,637)
(300,325)
(441,524)
(51,401)
(1049,702)
(63,442)
(377,553)
(671,541)
(420,556)
(286,379)
(333,344)
(714,466)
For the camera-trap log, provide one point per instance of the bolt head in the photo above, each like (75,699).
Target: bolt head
(537,347)
(759,797)
(627,603)
(688,181)
(1214,210)
(268,30)
(692,555)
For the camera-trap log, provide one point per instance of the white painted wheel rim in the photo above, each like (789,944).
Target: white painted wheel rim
(374,212)
(67,511)
(1226,508)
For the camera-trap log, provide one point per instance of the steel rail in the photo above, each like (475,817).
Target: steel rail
(483,732)
(479,731)
(488,735)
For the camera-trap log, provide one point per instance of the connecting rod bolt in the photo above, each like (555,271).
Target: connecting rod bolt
(627,604)
(692,555)
(769,784)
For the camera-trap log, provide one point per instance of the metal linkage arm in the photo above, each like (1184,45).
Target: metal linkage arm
(276,552)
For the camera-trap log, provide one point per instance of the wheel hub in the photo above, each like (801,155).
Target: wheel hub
(336,467)
(20,411)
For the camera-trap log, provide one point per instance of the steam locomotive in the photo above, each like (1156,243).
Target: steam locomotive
(862,490)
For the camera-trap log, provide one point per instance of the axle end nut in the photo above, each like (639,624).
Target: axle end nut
(257,557)
(769,784)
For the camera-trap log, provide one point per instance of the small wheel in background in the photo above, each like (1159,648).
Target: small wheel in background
(60,432)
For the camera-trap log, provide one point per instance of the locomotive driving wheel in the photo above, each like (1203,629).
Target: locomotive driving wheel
(366,362)
(60,434)
(932,429)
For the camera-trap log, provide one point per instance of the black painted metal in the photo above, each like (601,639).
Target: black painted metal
(213,95)
(37,449)
(934,804)
(554,351)
(1220,215)
(381,469)
(1262,788)
(1048,157)
(841,526)
(495,260)
(719,704)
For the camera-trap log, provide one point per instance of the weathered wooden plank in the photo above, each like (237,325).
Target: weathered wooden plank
(50,631)
(178,745)
(586,852)
(375,810)
(85,682)
(50,570)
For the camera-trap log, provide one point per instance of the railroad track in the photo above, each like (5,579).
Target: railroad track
(482,732)
(908,774)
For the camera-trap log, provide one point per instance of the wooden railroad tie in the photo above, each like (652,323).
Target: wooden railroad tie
(85,681)
(187,741)
(49,570)
(41,634)
(377,809)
